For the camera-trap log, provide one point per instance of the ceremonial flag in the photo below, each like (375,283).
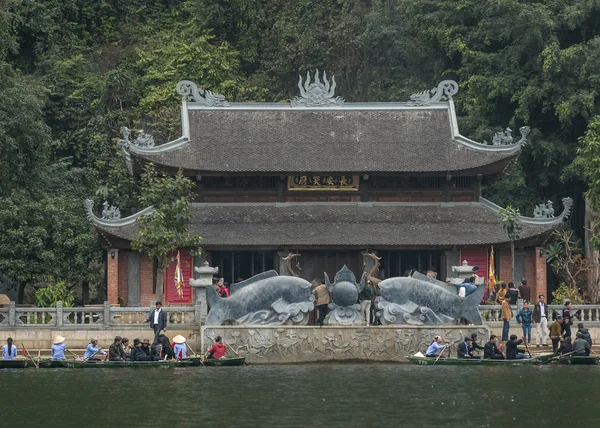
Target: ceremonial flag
(179,277)
(491,273)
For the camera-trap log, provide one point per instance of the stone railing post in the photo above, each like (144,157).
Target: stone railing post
(59,315)
(198,313)
(12,314)
(106,317)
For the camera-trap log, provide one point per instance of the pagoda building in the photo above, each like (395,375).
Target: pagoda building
(331,181)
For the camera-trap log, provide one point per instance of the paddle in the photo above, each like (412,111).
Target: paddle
(71,352)
(85,360)
(440,356)
(527,348)
(558,357)
(239,356)
(193,352)
(27,354)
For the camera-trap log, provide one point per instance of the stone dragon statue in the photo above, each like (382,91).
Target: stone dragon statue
(290,269)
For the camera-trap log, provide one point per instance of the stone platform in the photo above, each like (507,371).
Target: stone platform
(290,344)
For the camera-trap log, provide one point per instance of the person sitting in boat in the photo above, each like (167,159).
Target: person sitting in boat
(218,350)
(9,351)
(57,352)
(465,349)
(566,347)
(491,351)
(581,347)
(115,352)
(137,353)
(146,348)
(93,349)
(512,350)
(126,348)
(435,347)
(180,348)
(585,334)
(475,344)
(166,349)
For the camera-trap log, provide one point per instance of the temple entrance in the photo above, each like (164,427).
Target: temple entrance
(401,262)
(235,266)
(315,263)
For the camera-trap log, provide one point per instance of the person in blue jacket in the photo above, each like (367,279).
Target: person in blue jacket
(525,318)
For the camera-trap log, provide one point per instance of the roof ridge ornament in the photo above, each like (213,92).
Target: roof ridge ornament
(446,88)
(190,91)
(505,138)
(317,93)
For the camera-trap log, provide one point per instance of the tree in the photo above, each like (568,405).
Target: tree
(565,256)
(513,227)
(165,231)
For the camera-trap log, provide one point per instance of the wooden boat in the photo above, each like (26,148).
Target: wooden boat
(49,363)
(74,364)
(424,361)
(15,364)
(229,361)
(544,357)
(588,361)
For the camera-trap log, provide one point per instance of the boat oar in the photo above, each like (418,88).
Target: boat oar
(27,354)
(194,352)
(236,353)
(85,360)
(73,353)
(527,348)
(440,356)
(558,357)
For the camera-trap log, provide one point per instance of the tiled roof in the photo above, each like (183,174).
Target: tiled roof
(344,225)
(348,140)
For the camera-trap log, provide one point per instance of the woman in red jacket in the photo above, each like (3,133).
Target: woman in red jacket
(218,350)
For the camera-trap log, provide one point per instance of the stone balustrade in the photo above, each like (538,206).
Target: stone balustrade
(583,313)
(92,317)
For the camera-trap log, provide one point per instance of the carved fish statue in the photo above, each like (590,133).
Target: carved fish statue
(264,299)
(405,300)
(344,294)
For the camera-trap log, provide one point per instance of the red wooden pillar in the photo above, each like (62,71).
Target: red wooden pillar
(112,276)
(541,286)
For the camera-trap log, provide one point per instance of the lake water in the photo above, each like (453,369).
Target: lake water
(333,395)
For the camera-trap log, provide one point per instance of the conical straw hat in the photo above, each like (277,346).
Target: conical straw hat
(58,339)
(179,339)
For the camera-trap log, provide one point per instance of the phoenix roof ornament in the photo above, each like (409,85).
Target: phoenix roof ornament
(446,88)
(189,91)
(317,93)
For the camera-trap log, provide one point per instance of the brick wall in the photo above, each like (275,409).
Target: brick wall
(112,276)
(146,281)
(123,269)
(505,266)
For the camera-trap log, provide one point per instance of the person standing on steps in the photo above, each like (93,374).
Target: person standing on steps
(524,317)
(158,321)
(507,315)
(365,298)
(322,300)
(540,318)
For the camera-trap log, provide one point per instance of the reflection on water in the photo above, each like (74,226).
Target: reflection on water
(336,395)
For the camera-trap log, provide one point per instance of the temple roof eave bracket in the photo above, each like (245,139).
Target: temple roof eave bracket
(100,222)
(548,222)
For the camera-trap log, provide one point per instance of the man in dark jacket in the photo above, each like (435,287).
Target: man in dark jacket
(581,347)
(157,320)
(366,298)
(512,350)
(540,318)
(491,351)
(115,352)
(137,354)
(465,350)
(585,334)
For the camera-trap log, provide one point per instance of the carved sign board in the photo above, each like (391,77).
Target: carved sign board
(323,182)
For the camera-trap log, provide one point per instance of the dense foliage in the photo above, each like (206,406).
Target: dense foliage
(72,72)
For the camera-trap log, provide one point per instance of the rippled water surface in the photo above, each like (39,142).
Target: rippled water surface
(333,395)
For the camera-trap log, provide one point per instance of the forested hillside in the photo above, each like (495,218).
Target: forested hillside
(74,71)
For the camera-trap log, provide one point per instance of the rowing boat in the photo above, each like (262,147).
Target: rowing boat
(424,361)
(48,363)
(211,362)
(123,364)
(15,364)
(544,357)
(588,361)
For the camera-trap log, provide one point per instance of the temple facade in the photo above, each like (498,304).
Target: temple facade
(328,181)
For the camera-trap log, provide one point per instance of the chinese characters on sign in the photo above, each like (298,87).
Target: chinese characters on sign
(323,182)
